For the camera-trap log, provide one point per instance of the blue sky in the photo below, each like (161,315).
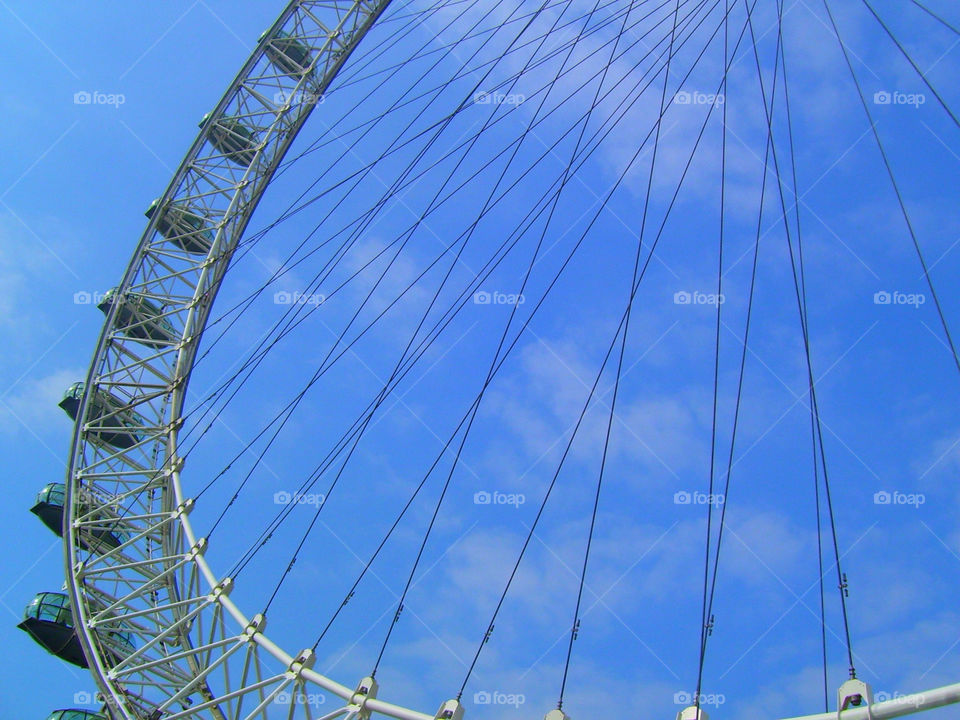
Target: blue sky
(77,178)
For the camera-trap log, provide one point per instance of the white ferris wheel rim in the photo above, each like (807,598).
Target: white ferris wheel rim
(181,544)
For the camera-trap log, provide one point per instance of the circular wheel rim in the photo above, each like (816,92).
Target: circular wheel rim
(221,181)
(125,441)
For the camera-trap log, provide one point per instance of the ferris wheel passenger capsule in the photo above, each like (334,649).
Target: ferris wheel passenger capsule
(111,421)
(48,619)
(288,54)
(185,227)
(49,508)
(233,139)
(142,320)
(74,714)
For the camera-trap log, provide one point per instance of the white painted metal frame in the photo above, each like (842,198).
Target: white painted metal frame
(196,654)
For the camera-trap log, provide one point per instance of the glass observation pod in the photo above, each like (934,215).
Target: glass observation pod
(233,139)
(74,714)
(142,319)
(48,619)
(184,226)
(49,508)
(290,56)
(109,416)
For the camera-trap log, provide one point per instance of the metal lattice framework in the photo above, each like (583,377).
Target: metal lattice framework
(162,637)
(193,653)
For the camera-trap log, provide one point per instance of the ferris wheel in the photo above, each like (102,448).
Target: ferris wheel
(143,608)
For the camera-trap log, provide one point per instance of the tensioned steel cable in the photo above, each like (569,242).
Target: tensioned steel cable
(936,17)
(706,622)
(913,64)
(641,148)
(896,188)
(416,332)
(438,193)
(575,626)
(298,205)
(743,356)
(291,406)
(688,73)
(543,234)
(476,406)
(540,302)
(813,420)
(265,535)
(550,487)
(812,383)
(545,153)
(291,325)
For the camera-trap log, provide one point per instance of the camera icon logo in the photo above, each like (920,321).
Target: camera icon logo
(83,697)
(682,698)
(481,698)
(282,298)
(682,497)
(282,498)
(882,498)
(482,498)
(482,298)
(882,98)
(82,98)
(82,298)
(683,98)
(682,298)
(882,298)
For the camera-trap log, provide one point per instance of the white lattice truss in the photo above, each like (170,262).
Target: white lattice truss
(194,653)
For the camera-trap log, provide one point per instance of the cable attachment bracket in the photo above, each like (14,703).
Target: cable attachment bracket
(854,693)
